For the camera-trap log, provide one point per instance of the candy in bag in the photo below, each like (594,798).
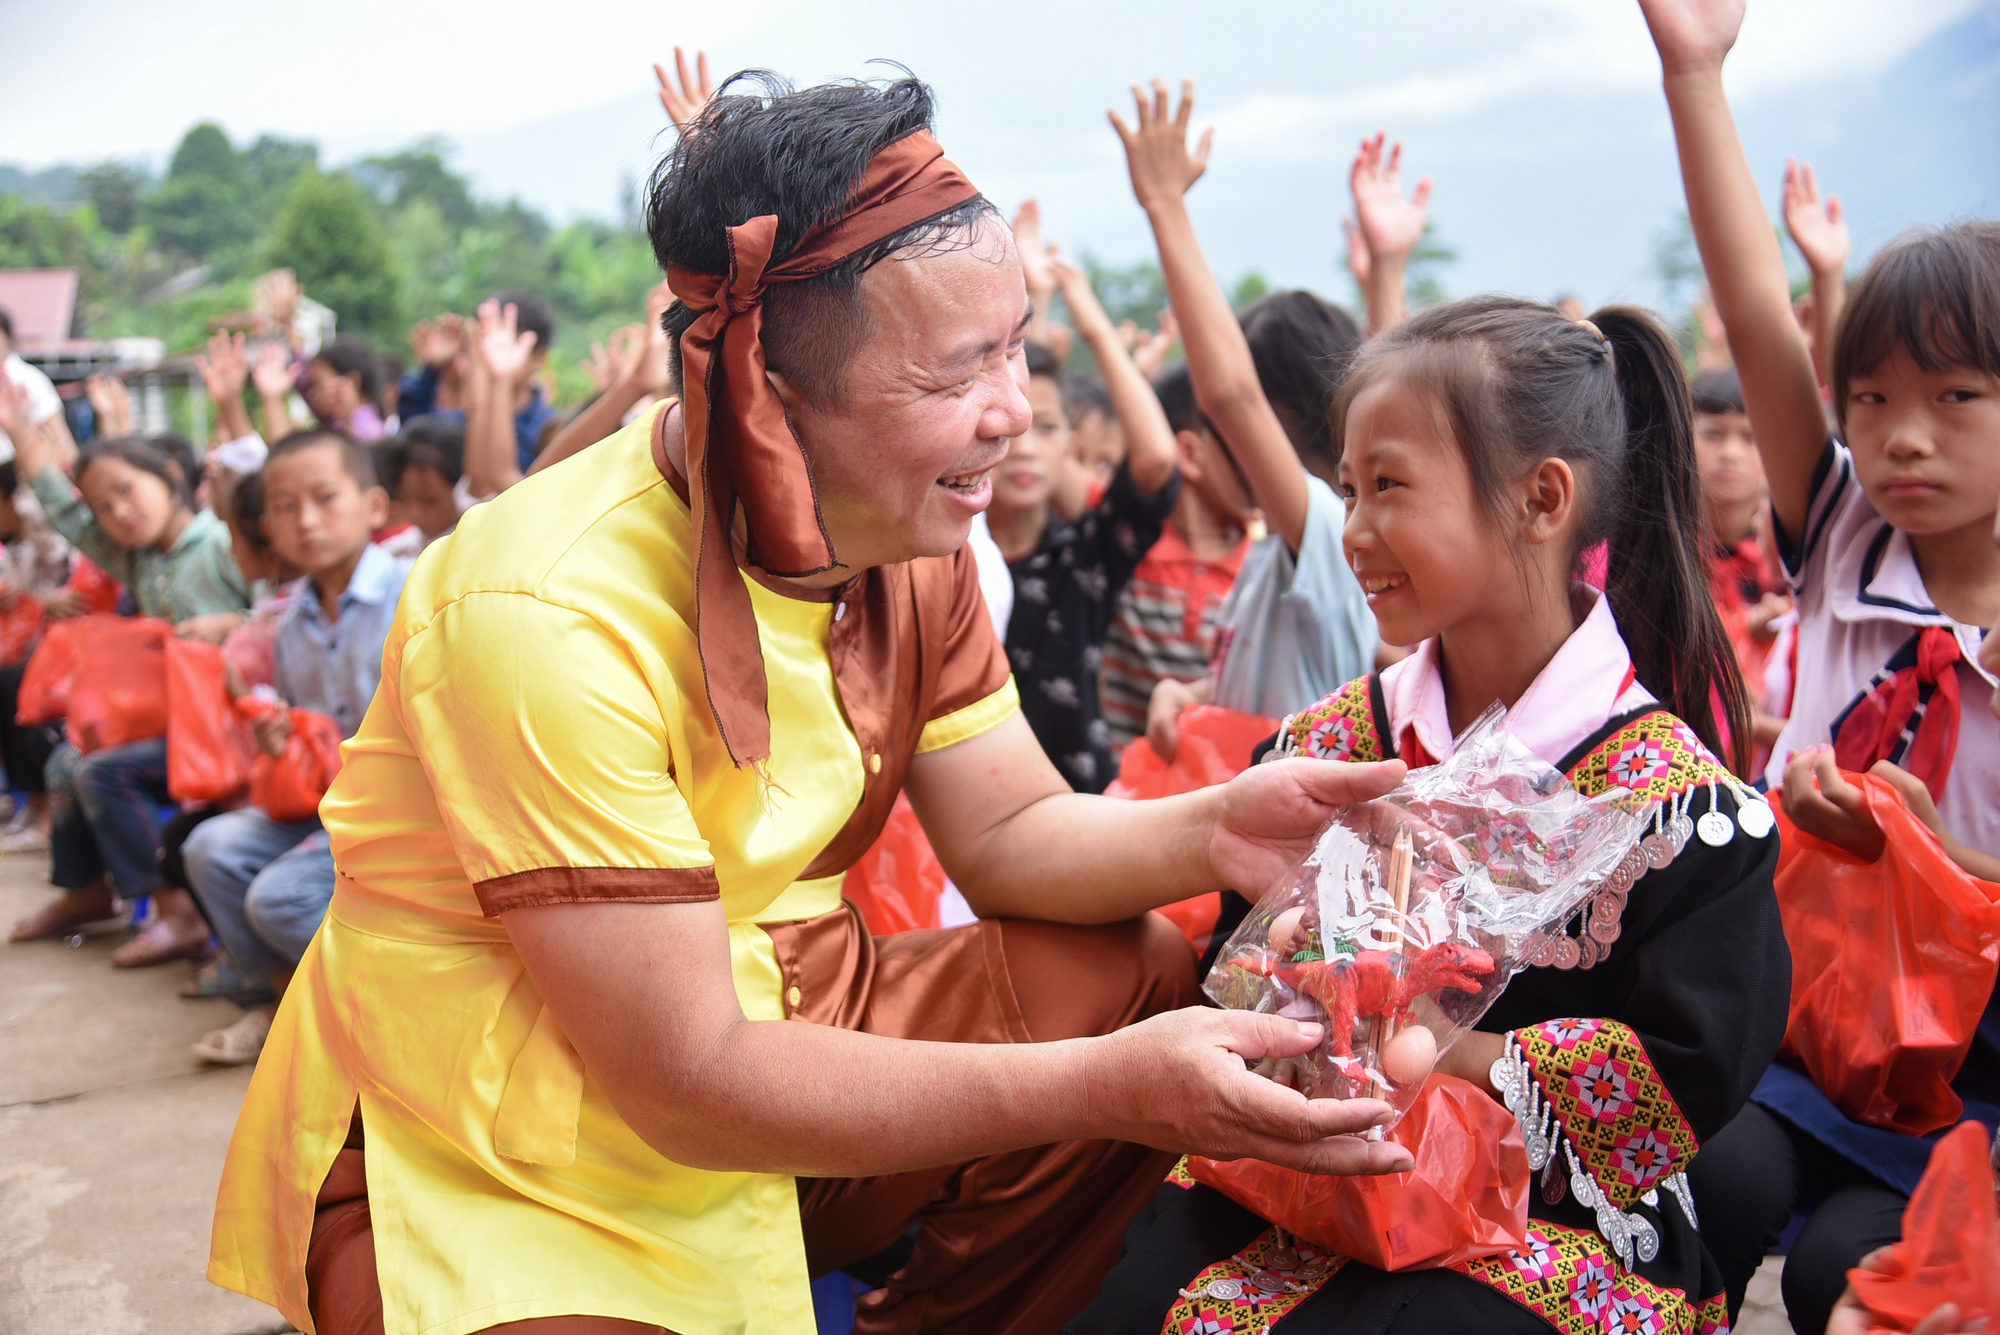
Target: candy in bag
(1406,921)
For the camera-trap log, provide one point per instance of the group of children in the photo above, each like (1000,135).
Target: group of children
(1714,595)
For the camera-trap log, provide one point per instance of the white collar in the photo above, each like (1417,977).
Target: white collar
(1585,686)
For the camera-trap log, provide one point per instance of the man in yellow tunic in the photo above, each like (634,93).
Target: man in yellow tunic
(636,718)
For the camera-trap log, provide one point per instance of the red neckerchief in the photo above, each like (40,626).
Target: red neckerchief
(1908,715)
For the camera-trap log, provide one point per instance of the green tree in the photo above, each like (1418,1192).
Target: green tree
(114,188)
(273,166)
(1423,284)
(202,209)
(1134,292)
(419,173)
(1251,287)
(327,233)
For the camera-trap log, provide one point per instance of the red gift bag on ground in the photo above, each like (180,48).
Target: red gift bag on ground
(288,787)
(1950,1252)
(44,696)
(1468,1196)
(19,625)
(119,691)
(898,881)
(1893,962)
(1215,748)
(210,751)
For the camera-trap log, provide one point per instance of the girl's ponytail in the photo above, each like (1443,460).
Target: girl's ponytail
(1658,581)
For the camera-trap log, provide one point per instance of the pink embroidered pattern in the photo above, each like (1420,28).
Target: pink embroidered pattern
(1568,1277)
(1340,727)
(1613,1107)
(1252,1290)
(1656,756)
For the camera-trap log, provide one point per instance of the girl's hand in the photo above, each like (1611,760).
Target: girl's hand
(1692,34)
(683,100)
(1271,815)
(225,370)
(1818,229)
(1851,1317)
(1390,225)
(1170,699)
(1157,153)
(1822,803)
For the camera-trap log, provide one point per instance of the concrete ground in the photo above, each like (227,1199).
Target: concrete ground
(111,1140)
(112,1137)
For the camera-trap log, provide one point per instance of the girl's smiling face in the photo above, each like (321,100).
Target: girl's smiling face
(1417,536)
(132,505)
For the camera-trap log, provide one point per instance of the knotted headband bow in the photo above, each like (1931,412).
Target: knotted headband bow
(740,446)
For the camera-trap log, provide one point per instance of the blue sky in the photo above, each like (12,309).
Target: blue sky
(1540,119)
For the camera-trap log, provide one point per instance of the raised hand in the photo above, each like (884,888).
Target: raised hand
(684,97)
(1818,227)
(501,347)
(1390,224)
(225,369)
(1035,254)
(111,404)
(1156,152)
(1092,323)
(1357,252)
(437,342)
(14,418)
(1150,351)
(276,297)
(601,366)
(272,371)
(1692,34)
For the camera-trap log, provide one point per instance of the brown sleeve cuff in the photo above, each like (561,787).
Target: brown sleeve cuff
(597,885)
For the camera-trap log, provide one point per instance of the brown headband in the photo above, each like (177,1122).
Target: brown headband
(740,446)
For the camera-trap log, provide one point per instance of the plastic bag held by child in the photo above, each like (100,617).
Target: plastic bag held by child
(1893,962)
(19,625)
(1950,1252)
(118,693)
(1466,1198)
(44,695)
(209,749)
(1411,913)
(288,787)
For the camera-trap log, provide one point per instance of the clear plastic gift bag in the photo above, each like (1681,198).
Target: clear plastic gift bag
(1413,911)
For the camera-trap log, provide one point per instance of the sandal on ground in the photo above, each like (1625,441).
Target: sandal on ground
(239,1044)
(218,979)
(159,943)
(53,919)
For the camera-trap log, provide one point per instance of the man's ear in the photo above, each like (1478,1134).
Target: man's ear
(1549,496)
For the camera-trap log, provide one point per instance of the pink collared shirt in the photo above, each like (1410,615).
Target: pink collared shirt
(1588,683)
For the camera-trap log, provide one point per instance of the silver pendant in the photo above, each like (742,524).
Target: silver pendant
(1680,829)
(1644,1236)
(1553,1186)
(1756,819)
(1715,829)
(1659,850)
(1605,927)
(1567,952)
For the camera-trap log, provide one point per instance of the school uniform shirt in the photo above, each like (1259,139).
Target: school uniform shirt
(542,736)
(334,666)
(196,576)
(1065,592)
(1861,604)
(1649,1048)
(1164,628)
(1295,627)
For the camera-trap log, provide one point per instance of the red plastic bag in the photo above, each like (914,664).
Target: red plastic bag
(102,592)
(44,695)
(119,692)
(898,881)
(209,747)
(1215,747)
(1950,1252)
(1468,1196)
(19,625)
(289,787)
(1893,962)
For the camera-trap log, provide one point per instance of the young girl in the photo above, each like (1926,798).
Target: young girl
(1483,446)
(1295,624)
(135,517)
(1886,533)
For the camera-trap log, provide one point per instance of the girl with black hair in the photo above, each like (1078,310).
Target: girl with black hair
(131,511)
(1483,446)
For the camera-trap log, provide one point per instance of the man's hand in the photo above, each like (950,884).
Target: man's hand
(1820,802)
(1818,227)
(1179,1082)
(1692,35)
(501,347)
(1157,151)
(1390,225)
(684,98)
(1272,814)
